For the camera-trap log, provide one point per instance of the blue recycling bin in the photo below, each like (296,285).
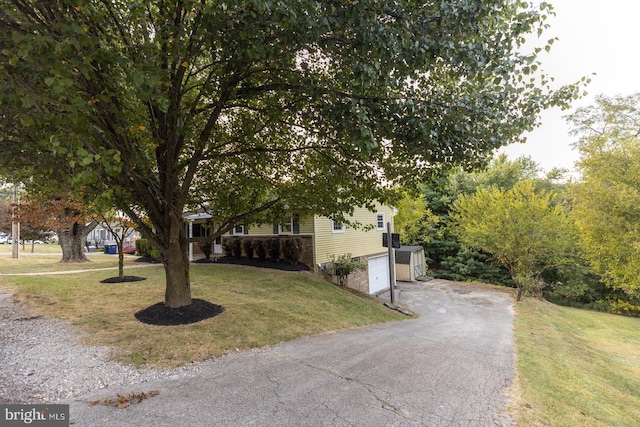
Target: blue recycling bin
(110,249)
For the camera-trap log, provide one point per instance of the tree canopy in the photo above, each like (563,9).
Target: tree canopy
(607,198)
(521,228)
(249,107)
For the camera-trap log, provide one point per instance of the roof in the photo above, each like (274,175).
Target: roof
(408,249)
(403,254)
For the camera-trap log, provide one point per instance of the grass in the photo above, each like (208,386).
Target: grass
(262,307)
(45,259)
(576,367)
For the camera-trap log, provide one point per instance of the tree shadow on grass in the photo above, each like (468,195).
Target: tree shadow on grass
(161,315)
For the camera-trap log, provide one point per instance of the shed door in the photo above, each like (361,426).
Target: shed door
(378,268)
(419,266)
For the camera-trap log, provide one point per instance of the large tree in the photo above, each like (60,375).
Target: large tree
(523,230)
(70,219)
(252,106)
(607,198)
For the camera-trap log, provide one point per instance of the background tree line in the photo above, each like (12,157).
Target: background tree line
(574,240)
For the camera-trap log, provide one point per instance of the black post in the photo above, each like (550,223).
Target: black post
(392,261)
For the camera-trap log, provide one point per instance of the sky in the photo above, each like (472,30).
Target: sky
(593,37)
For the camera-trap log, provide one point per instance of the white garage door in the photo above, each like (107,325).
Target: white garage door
(378,268)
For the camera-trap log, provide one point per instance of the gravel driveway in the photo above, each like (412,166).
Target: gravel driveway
(450,367)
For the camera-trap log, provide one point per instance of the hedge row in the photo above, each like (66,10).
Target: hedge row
(278,249)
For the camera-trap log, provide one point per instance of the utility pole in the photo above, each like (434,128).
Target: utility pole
(15,225)
(392,264)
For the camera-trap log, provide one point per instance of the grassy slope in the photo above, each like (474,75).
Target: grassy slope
(262,307)
(576,367)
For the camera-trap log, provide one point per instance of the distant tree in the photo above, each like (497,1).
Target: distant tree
(68,218)
(30,231)
(607,198)
(446,256)
(412,211)
(522,230)
(120,226)
(245,106)
(504,173)
(5,216)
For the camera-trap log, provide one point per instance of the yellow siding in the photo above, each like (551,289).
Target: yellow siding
(306,227)
(259,230)
(357,242)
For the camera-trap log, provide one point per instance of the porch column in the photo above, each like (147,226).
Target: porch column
(190,235)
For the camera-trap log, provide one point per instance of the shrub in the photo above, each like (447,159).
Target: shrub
(248,247)
(227,247)
(625,308)
(343,266)
(292,249)
(145,249)
(236,246)
(274,249)
(261,249)
(205,247)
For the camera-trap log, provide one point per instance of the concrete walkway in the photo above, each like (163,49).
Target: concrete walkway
(450,367)
(87,270)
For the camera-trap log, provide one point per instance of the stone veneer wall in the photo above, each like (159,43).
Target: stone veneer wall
(358,280)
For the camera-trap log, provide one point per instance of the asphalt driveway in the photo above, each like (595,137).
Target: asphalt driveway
(450,367)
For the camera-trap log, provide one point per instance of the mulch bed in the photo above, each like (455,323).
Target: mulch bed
(123,279)
(256,262)
(160,314)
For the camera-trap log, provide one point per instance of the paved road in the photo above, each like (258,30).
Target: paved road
(450,367)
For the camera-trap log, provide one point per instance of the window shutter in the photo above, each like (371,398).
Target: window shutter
(275,228)
(245,229)
(296,225)
(231,231)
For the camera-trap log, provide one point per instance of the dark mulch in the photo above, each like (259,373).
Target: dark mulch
(123,279)
(261,263)
(160,314)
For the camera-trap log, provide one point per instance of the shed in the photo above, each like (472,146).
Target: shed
(410,263)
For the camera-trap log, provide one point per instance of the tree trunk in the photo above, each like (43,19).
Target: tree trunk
(120,258)
(176,265)
(72,241)
(519,293)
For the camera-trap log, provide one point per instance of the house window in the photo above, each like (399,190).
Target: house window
(286,227)
(337,227)
(238,229)
(380,221)
(199,230)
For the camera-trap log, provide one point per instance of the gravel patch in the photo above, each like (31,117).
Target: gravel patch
(41,360)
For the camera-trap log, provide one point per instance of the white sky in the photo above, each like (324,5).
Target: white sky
(593,37)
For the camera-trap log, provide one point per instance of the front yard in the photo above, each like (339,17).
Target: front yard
(261,307)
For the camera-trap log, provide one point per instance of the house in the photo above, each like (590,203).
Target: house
(103,235)
(321,240)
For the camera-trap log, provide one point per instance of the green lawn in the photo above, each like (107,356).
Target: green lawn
(576,367)
(44,258)
(262,307)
